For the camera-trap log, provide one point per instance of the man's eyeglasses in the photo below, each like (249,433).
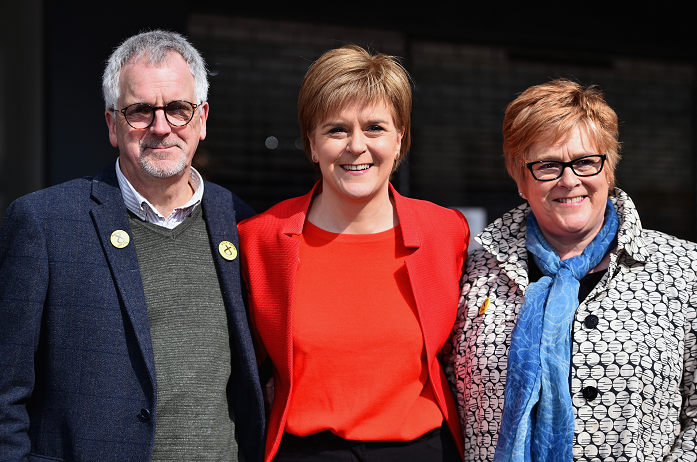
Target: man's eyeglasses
(141,115)
(548,170)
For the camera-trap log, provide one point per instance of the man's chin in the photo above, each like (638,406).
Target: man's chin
(162,169)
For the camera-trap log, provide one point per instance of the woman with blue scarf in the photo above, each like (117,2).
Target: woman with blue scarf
(576,336)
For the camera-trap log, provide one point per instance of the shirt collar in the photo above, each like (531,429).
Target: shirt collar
(140,206)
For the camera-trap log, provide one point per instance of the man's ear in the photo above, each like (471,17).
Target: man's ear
(111,123)
(203,114)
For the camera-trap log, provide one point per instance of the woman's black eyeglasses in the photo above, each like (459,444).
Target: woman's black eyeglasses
(548,170)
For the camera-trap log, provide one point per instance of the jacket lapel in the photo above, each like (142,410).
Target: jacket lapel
(505,238)
(288,257)
(221,222)
(219,213)
(110,214)
(417,267)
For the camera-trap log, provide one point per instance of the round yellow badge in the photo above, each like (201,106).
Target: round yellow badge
(227,250)
(120,239)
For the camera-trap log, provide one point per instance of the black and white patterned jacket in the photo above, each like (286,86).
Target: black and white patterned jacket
(634,343)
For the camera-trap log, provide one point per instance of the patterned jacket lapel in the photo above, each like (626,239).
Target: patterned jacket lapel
(505,240)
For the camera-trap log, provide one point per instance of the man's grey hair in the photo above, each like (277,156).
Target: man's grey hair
(153,46)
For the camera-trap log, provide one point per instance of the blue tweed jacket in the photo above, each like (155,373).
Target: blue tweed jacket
(77,374)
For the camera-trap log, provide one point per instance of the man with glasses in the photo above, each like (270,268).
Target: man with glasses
(123,333)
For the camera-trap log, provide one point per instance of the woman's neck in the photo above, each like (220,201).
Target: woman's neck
(570,245)
(341,215)
(567,250)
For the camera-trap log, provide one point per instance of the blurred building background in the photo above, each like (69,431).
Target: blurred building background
(468,62)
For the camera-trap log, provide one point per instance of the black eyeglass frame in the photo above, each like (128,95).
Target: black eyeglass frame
(156,108)
(569,164)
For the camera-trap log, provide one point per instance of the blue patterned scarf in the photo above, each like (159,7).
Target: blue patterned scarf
(538,420)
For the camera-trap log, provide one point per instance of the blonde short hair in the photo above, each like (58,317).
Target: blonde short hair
(351,75)
(549,113)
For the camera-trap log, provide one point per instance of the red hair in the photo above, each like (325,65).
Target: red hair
(549,113)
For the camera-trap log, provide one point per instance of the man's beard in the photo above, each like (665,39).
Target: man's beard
(150,162)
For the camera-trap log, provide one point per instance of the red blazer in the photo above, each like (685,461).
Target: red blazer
(269,258)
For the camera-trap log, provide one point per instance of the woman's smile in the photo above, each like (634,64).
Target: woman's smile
(570,200)
(356,168)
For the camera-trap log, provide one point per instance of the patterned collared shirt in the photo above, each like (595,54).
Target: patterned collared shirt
(136,203)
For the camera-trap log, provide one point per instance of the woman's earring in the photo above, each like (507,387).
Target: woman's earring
(314,159)
(520,194)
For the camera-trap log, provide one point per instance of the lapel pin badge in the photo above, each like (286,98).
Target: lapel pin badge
(227,250)
(120,239)
(485,305)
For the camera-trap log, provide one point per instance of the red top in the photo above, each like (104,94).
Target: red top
(356,287)
(270,252)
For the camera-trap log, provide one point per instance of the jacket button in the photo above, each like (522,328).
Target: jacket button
(590,393)
(144,415)
(591,321)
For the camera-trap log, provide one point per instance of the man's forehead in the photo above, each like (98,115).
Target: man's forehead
(141,73)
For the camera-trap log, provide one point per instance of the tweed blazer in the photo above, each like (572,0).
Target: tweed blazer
(78,375)
(270,259)
(634,343)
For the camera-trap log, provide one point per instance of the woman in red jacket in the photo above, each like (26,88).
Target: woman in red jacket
(352,287)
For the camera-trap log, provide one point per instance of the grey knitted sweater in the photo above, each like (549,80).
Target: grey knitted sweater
(191,345)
